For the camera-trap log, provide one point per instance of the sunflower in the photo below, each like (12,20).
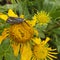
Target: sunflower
(43,52)
(42,17)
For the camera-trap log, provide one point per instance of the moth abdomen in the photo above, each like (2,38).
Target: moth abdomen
(14,20)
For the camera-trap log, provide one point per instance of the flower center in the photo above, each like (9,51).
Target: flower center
(43,19)
(40,52)
(21,32)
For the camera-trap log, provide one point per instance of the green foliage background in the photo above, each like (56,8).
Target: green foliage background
(29,8)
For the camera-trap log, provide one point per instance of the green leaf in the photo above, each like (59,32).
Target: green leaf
(1,32)
(10,55)
(52,7)
(13,1)
(7,52)
(1,51)
(58,47)
(5,44)
(56,41)
(41,27)
(41,34)
(2,26)
(55,13)
(56,31)
(49,5)
(0,57)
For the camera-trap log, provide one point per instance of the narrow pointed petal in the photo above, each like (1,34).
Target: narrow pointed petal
(2,38)
(50,49)
(11,13)
(32,22)
(3,16)
(26,52)
(52,56)
(34,58)
(47,39)
(16,49)
(21,16)
(53,53)
(4,35)
(45,58)
(36,32)
(36,40)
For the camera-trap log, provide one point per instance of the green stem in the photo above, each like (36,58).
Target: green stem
(56,25)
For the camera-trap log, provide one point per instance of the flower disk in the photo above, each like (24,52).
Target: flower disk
(21,32)
(39,51)
(42,52)
(42,17)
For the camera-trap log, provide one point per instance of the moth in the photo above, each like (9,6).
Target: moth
(15,20)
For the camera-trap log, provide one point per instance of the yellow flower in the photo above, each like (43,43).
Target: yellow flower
(42,52)
(32,22)
(20,35)
(3,16)
(42,17)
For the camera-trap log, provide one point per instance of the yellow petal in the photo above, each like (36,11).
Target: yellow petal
(36,40)
(21,16)
(36,32)
(1,39)
(3,16)
(53,53)
(45,58)
(34,58)
(32,22)
(47,39)
(26,52)
(16,49)
(11,13)
(4,35)
(50,49)
(52,56)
